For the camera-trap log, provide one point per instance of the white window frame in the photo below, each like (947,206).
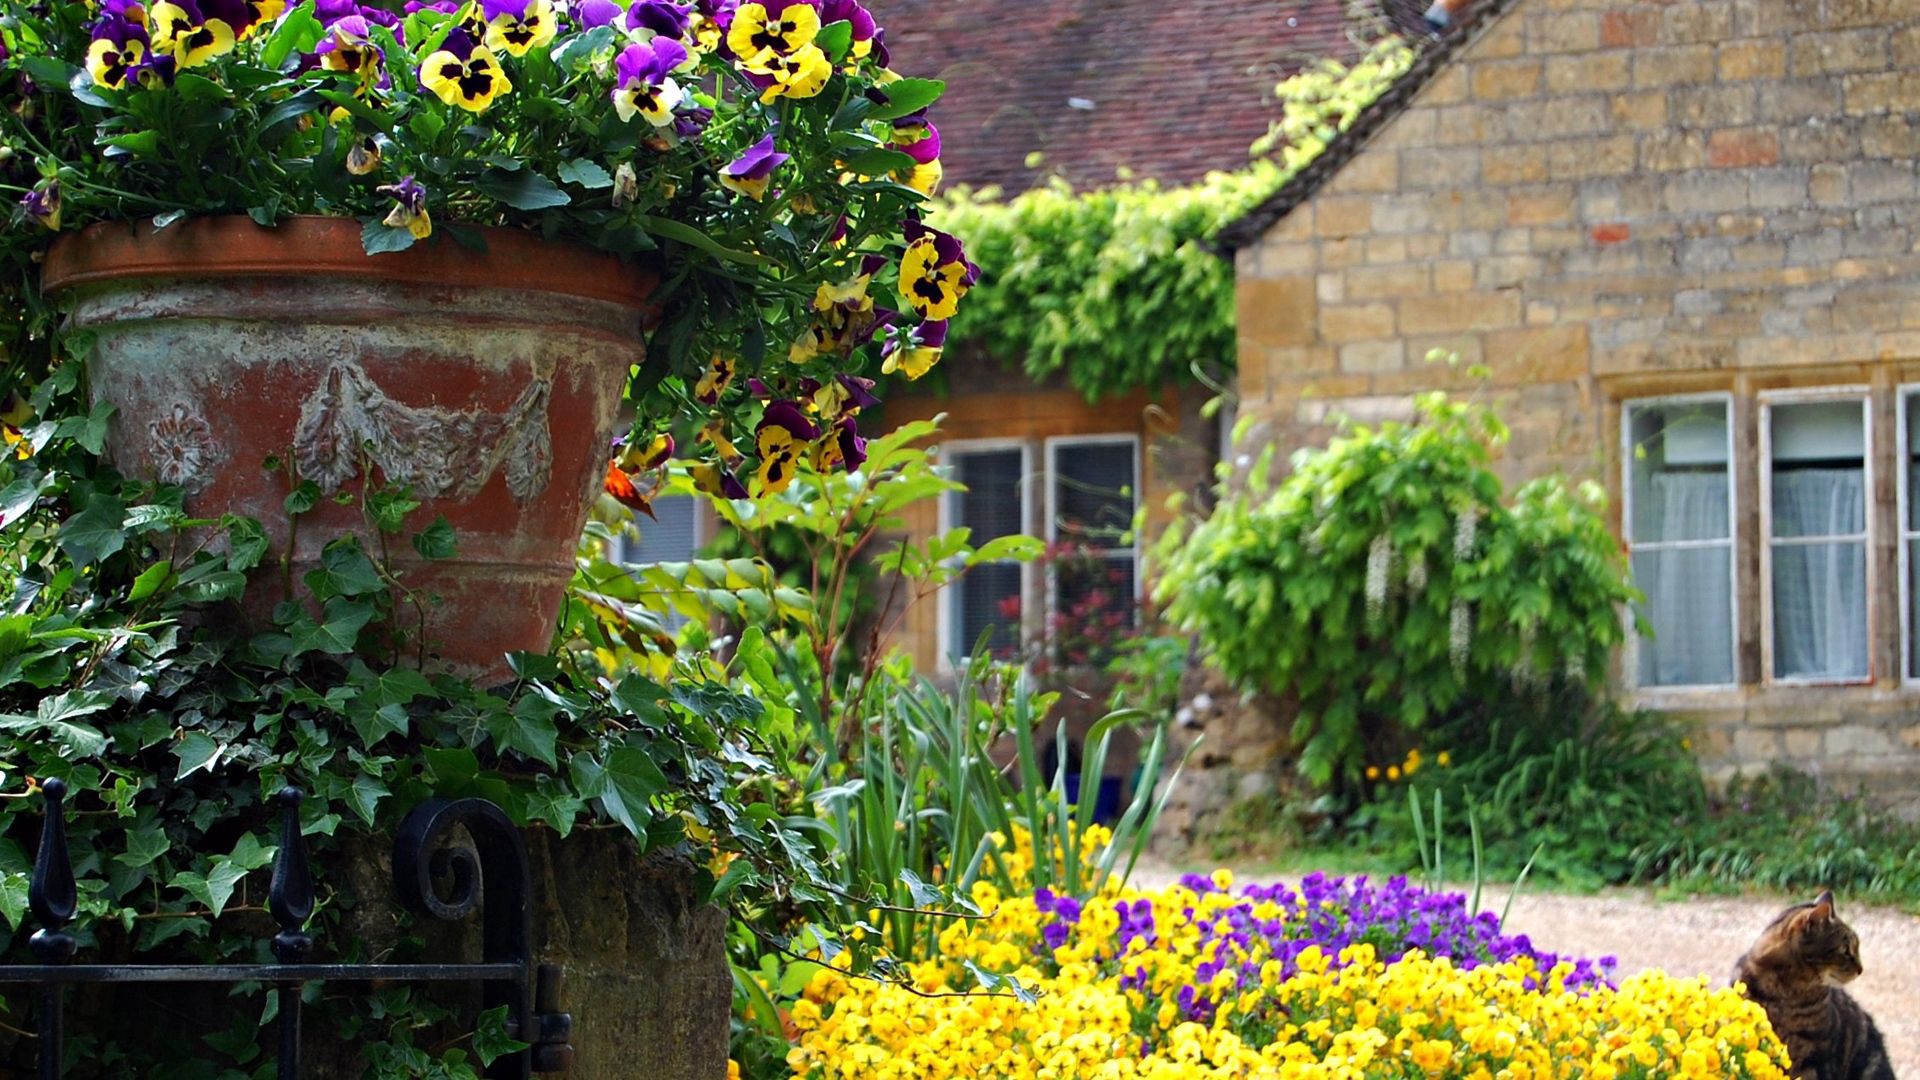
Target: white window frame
(1731,543)
(1903,446)
(1053,447)
(630,536)
(1768,399)
(945,612)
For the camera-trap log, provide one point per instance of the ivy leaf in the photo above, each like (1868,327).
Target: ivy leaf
(144,846)
(372,725)
(522,189)
(365,796)
(95,533)
(302,498)
(624,786)
(907,96)
(55,717)
(150,581)
(18,497)
(196,751)
(588,174)
(528,727)
(436,541)
(13,897)
(344,570)
(490,1039)
(335,633)
(213,888)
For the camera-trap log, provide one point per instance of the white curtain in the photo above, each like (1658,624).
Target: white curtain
(1689,591)
(1820,590)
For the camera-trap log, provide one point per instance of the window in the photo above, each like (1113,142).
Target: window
(671,535)
(1816,484)
(1679,531)
(1094,584)
(987,601)
(1910,529)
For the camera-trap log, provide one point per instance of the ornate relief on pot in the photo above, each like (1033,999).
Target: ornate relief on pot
(439,452)
(182,449)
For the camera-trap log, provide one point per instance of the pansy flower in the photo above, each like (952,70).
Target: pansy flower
(516,27)
(934,272)
(117,53)
(348,48)
(714,434)
(760,31)
(15,442)
(640,457)
(659,19)
(782,438)
(643,87)
(717,481)
(914,352)
(841,447)
(916,137)
(594,14)
(842,395)
(842,315)
(409,208)
(865,31)
(42,205)
(715,380)
(689,122)
(261,13)
(180,29)
(363,155)
(748,174)
(464,73)
(621,486)
(796,75)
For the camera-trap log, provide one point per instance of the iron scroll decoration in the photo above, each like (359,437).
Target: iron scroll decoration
(492,874)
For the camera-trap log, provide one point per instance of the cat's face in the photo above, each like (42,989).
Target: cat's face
(1811,937)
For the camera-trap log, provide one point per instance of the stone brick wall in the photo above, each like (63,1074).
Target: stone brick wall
(1602,200)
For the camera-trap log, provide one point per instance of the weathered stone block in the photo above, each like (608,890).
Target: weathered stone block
(1742,60)
(1370,356)
(1676,65)
(1545,353)
(1276,311)
(1340,217)
(1563,32)
(1506,166)
(1506,80)
(1743,148)
(1357,322)
(1833,53)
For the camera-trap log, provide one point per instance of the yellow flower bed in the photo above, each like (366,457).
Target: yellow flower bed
(1217,988)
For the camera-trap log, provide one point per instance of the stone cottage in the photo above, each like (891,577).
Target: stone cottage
(1087,90)
(1683,237)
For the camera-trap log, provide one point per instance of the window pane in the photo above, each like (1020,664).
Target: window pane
(666,537)
(1820,611)
(987,600)
(1678,466)
(1690,608)
(1093,491)
(1093,606)
(1913,609)
(1819,469)
(991,504)
(1910,416)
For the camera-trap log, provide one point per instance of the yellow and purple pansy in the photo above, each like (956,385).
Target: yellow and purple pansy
(347,48)
(913,352)
(916,137)
(840,447)
(843,315)
(409,208)
(643,87)
(782,438)
(777,27)
(934,272)
(120,52)
(715,380)
(464,73)
(749,173)
(42,205)
(516,27)
(718,481)
(190,35)
(868,38)
(648,19)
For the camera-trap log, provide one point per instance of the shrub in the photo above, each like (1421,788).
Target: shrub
(1388,582)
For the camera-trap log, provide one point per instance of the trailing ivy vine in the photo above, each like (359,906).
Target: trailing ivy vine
(1118,288)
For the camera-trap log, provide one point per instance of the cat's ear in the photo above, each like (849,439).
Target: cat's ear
(1823,905)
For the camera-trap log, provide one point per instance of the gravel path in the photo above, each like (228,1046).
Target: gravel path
(1704,936)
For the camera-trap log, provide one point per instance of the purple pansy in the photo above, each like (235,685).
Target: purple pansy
(643,86)
(750,172)
(659,18)
(594,14)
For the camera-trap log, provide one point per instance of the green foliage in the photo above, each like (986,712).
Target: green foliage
(940,783)
(1117,289)
(123,672)
(1782,831)
(1386,583)
(1566,783)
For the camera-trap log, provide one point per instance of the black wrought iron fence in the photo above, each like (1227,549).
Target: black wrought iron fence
(495,863)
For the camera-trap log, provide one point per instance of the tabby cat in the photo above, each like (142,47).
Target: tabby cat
(1794,972)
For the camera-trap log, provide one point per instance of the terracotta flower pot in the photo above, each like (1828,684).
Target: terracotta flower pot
(488,382)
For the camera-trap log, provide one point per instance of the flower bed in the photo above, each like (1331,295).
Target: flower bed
(1338,978)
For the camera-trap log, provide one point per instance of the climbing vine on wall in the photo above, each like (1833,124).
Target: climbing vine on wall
(1118,288)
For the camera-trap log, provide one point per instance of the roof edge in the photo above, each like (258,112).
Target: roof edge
(1250,226)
